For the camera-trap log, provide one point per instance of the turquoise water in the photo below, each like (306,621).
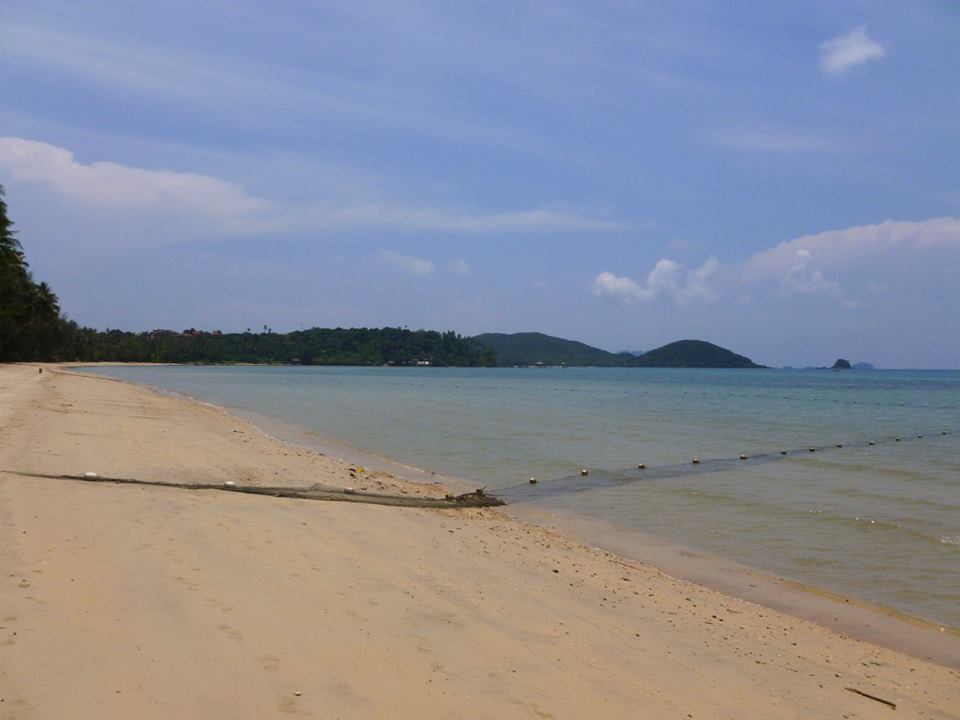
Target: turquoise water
(878,522)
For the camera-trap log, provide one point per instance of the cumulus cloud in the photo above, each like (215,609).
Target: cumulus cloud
(841,53)
(851,246)
(667,279)
(210,205)
(409,263)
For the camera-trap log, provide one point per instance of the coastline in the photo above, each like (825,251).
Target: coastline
(850,616)
(362,611)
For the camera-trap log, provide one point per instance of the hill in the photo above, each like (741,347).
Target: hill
(693,354)
(532,348)
(529,348)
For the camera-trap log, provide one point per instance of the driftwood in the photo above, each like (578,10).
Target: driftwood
(889,704)
(476,499)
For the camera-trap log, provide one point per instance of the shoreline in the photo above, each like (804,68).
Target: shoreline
(122,597)
(859,619)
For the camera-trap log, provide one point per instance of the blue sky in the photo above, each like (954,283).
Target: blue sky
(777,177)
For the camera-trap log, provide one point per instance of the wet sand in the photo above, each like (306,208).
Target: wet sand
(148,602)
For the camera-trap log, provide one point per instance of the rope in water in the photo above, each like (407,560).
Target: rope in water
(589,479)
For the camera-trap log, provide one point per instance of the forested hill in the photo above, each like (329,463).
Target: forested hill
(694,354)
(317,346)
(529,348)
(535,348)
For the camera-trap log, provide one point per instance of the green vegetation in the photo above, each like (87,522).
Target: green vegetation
(534,348)
(30,320)
(530,348)
(693,354)
(33,328)
(317,346)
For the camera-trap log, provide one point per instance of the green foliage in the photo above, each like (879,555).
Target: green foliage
(532,348)
(29,311)
(317,346)
(693,354)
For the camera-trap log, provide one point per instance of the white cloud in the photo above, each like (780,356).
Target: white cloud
(665,280)
(851,246)
(773,140)
(840,54)
(202,203)
(806,278)
(409,263)
(460,267)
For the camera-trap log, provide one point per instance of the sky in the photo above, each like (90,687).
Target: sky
(779,178)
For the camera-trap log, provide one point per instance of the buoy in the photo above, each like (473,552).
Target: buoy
(533,481)
(230,484)
(584,472)
(871,443)
(641,466)
(813,449)
(783,452)
(696,461)
(944,432)
(839,444)
(919,436)
(897,438)
(742,456)
(90,475)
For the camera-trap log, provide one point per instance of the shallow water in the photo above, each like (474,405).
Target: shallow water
(878,522)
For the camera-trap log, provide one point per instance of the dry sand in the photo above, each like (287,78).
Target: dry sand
(146,602)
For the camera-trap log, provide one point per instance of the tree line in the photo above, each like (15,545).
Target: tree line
(33,328)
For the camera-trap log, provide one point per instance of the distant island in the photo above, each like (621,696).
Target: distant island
(841,364)
(532,348)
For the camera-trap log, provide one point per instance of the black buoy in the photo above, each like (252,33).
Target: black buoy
(919,436)
(742,456)
(533,481)
(584,472)
(871,443)
(783,452)
(813,449)
(897,438)
(696,461)
(839,445)
(641,466)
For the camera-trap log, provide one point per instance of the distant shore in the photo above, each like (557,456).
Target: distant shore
(122,597)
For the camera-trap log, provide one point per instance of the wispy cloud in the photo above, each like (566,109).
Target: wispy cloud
(773,140)
(844,52)
(214,206)
(409,263)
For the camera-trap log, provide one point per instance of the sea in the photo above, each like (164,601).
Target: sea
(843,480)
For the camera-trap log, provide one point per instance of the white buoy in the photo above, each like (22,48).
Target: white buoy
(742,456)
(871,443)
(897,439)
(813,449)
(584,472)
(90,475)
(839,445)
(533,481)
(641,466)
(696,461)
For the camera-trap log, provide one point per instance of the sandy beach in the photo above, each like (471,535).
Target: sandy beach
(127,601)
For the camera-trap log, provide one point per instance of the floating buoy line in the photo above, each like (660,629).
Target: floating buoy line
(590,479)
